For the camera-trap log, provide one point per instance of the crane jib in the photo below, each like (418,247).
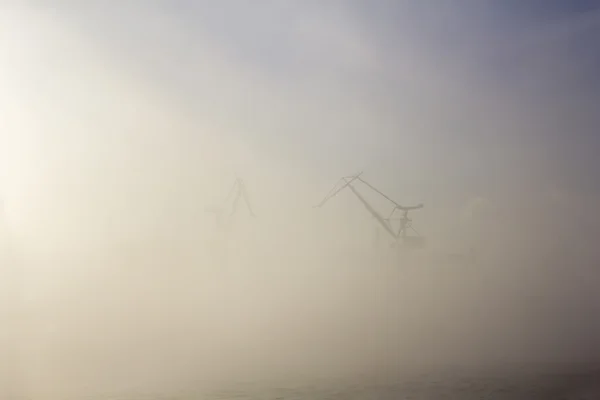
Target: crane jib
(374,213)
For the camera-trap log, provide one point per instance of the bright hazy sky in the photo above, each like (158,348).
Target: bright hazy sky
(158,104)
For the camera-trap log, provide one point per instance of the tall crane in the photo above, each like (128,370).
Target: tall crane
(224,213)
(385,223)
(237,192)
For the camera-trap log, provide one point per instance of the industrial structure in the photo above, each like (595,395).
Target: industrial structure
(223,212)
(398,235)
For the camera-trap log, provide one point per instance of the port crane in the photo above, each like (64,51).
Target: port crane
(237,192)
(219,244)
(405,223)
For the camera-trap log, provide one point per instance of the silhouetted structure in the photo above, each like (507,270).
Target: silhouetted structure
(238,191)
(399,235)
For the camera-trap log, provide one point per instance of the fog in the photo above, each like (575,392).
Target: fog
(120,126)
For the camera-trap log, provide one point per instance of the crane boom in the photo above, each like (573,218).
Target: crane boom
(398,206)
(334,192)
(405,222)
(374,213)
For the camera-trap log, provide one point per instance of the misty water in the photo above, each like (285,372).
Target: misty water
(368,324)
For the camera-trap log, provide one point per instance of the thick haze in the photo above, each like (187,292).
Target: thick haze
(121,123)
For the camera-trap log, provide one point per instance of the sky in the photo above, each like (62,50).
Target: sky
(437,102)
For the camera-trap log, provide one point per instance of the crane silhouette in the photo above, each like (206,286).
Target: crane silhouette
(385,223)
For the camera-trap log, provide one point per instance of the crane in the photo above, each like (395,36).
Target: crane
(385,223)
(219,244)
(237,192)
